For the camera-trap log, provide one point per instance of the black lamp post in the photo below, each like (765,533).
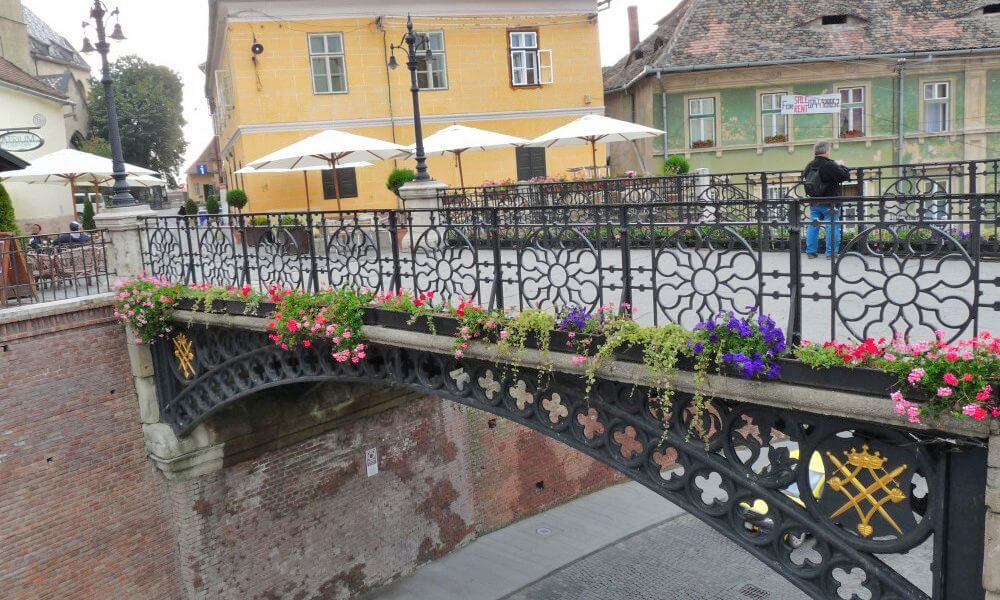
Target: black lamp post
(121,196)
(409,42)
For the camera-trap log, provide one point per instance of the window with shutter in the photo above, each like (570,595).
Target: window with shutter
(530,163)
(348,180)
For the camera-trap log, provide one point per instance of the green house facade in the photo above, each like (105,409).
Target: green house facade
(708,81)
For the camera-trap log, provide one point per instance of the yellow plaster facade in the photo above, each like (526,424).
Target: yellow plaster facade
(260,106)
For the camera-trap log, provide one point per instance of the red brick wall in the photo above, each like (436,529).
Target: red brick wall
(82,514)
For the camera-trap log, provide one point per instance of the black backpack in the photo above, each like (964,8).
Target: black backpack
(813,183)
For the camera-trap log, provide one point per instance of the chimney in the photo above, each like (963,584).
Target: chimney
(633,27)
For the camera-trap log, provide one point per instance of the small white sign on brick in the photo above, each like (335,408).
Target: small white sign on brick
(371,461)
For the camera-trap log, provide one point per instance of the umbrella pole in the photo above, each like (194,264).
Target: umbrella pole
(72,193)
(336,181)
(461,174)
(593,155)
(305,178)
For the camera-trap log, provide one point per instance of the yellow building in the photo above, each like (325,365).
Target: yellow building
(520,67)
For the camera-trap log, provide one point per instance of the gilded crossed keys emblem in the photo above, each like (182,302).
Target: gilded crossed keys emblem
(184,353)
(863,479)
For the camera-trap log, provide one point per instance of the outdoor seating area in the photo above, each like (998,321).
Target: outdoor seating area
(43,268)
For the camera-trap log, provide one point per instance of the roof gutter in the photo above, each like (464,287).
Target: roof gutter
(647,70)
(36,93)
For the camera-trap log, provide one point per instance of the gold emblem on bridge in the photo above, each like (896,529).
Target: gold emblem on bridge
(868,487)
(184,353)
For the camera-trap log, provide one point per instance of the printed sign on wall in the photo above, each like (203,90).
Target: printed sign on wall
(810,105)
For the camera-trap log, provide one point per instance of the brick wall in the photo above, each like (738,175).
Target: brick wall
(82,514)
(306,520)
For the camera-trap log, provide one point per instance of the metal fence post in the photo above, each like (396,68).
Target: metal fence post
(497,267)
(973,173)
(313,264)
(626,255)
(246,249)
(795,272)
(190,278)
(397,276)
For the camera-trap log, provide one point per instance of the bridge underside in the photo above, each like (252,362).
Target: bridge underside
(816,498)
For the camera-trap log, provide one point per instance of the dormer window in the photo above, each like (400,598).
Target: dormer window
(991,9)
(834,19)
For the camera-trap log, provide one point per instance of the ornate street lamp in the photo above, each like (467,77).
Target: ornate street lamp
(121,196)
(409,42)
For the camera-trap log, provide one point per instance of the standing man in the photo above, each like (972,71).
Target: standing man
(823,178)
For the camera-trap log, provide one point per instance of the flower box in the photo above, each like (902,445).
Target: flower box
(185,303)
(857,379)
(394,319)
(703,144)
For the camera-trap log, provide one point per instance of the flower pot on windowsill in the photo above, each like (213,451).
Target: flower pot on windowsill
(703,144)
(853,133)
(776,139)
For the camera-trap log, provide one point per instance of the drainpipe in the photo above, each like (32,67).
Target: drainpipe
(635,146)
(663,109)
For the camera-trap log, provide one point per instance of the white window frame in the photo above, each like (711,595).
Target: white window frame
(937,100)
(330,59)
(771,117)
(530,66)
(224,89)
(438,56)
(850,107)
(701,118)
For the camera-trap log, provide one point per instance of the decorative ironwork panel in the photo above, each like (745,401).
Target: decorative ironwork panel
(821,500)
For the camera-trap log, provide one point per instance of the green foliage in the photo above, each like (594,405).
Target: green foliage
(289,221)
(87,219)
(676,165)
(332,315)
(212,205)
(190,207)
(149,99)
(259,221)
(146,306)
(398,178)
(7,222)
(95,144)
(237,199)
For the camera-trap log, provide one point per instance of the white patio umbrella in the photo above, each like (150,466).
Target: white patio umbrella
(70,167)
(592,129)
(458,139)
(327,149)
(305,175)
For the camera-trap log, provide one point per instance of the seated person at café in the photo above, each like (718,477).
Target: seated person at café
(36,241)
(73,236)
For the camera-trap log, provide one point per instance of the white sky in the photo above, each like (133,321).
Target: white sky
(174,33)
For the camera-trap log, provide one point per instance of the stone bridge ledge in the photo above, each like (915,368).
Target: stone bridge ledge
(768,393)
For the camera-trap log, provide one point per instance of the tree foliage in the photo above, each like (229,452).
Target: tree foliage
(191,207)
(212,205)
(95,144)
(676,165)
(149,100)
(87,219)
(236,198)
(7,222)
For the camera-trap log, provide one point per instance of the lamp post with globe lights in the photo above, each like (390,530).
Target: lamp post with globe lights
(122,196)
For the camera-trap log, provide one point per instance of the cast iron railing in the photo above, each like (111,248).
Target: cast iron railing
(907,264)
(926,179)
(59,266)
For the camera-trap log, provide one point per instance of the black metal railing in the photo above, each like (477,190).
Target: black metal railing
(909,264)
(43,268)
(926,179)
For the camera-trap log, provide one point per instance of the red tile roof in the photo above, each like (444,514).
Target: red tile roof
(12,74)
(703,33)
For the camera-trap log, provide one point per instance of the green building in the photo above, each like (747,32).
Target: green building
(713,74)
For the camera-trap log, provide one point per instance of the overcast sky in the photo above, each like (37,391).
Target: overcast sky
(175,34)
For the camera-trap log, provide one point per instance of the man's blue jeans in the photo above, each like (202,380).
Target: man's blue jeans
(825,213)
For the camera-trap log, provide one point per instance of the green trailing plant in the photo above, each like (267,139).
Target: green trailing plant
(190,207)
(212,205)
(237,199)
(398,178)
(7,220)
(475,322)
(676,165)
(513,339)
(87,218)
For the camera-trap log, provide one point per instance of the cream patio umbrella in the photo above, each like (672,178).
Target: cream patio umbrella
(70,167)
(592,129)
(458,139)
(305,175)
(328,148)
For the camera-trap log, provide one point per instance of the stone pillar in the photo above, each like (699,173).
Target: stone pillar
(991,543)
(419,196)
(124,233)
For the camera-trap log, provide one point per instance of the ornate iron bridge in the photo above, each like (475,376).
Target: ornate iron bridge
(825,502)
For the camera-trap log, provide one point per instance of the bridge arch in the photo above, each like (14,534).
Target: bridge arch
(737,482)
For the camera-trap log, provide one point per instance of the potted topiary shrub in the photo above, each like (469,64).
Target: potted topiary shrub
(398,178)
(258,230)
(676,165)
(237,199)
(87,218)
(212,205)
